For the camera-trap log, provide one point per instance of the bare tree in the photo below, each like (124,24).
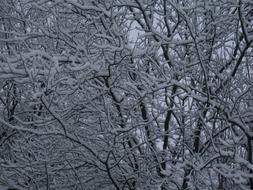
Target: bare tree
(139,94)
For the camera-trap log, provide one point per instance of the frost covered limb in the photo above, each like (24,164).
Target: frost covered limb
(126,95)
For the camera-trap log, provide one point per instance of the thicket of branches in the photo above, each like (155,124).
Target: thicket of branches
(126,95)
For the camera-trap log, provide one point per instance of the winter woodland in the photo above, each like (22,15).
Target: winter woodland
(126,94)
